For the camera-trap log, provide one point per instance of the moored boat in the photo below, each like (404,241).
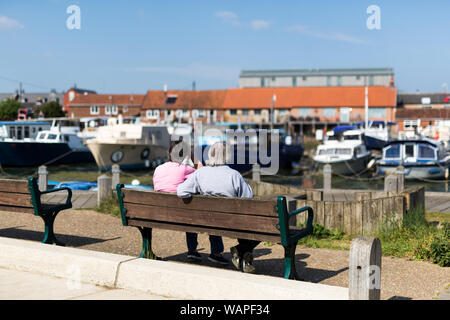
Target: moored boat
(421,158)
(345,151)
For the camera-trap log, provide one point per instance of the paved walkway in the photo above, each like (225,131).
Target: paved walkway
(401,279)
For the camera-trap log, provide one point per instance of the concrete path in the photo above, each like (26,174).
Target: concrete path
(90,230)
(20,285)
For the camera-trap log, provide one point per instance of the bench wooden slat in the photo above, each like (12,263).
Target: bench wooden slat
(16,199)
(234,234)
(207,218)
(16,209)
(14,186)
(202,203)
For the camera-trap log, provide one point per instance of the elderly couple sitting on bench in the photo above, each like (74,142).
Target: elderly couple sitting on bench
(215,179)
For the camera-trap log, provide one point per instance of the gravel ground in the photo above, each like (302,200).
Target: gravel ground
(85,229)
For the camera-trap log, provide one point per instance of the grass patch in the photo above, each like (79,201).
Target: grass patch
(413,238)
(109,206)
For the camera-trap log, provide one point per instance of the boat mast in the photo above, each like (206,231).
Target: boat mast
(366,104)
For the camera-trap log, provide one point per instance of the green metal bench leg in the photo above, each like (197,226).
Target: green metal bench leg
(49,237)
(289,262)
(147,252)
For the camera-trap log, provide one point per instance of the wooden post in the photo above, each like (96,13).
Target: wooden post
(256,172)
(104,188)
(365,269)
(327,177)
(400,172)
(391,183)
(115,170)
(43,178)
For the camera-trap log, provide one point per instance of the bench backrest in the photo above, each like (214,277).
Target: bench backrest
(15,196)
(232,217)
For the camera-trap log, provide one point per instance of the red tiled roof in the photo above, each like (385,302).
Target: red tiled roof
(107,99)
(253,98)
(250,98)
(205,99)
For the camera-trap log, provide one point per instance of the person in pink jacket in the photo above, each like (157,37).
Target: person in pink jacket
(166,178)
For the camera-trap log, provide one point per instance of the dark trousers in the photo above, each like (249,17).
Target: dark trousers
(245,245)
(215,241)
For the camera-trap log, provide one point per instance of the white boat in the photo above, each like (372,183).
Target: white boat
(346,152)
(377,134)
(130,145)
(422,159)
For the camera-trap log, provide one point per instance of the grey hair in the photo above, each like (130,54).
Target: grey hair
(218,155)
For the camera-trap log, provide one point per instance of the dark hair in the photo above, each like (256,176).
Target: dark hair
(177,151)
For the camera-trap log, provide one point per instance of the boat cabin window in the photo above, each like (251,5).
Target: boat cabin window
(393,152)
(12,132)
(19,133)
(409,150)
(51,136)
(26,132)
(66,138)
(332,151)
(426,152)
(352,137)
(41,135)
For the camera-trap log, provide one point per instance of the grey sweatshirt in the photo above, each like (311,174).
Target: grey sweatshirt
(219,181)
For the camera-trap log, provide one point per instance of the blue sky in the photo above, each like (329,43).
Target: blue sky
(133,46)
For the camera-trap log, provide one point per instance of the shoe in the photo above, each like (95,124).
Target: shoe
(247,263)
(194,256)
(218,259)
(235,257)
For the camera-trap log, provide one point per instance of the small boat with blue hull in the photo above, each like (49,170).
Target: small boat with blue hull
(421,158)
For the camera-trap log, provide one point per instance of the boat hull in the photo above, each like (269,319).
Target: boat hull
(416,172)
(346,167)
(127,156)
(287,155)
(23,154)
(374,143)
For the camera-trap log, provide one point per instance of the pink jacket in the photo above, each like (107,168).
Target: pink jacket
(169,175)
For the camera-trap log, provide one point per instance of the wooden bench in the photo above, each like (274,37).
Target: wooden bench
(262,220)
(24,196)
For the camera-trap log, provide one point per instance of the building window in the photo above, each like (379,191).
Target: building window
(328,81)
(114,109)
(95,110)
(339,81)
(107,109)
(152,114)
(377,113)
(371,81)
(233,112)
(262,82)
(186,113)
(304,112)
(294,81)
(125,109)
(358,78)
(245,112)
(304,78)
(329,112)
(283,112)
(410,124)
(257,111)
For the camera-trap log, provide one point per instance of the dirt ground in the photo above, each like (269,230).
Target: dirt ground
(86,229)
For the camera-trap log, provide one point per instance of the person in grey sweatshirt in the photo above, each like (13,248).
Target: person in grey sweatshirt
(218,179)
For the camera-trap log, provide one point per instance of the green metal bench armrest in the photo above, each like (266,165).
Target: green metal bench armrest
(69,195)
(283,225)
(309,224)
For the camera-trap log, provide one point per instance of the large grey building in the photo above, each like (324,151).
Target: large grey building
(316,78)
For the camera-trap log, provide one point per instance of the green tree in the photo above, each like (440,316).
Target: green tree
(52,110)
(9,109)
